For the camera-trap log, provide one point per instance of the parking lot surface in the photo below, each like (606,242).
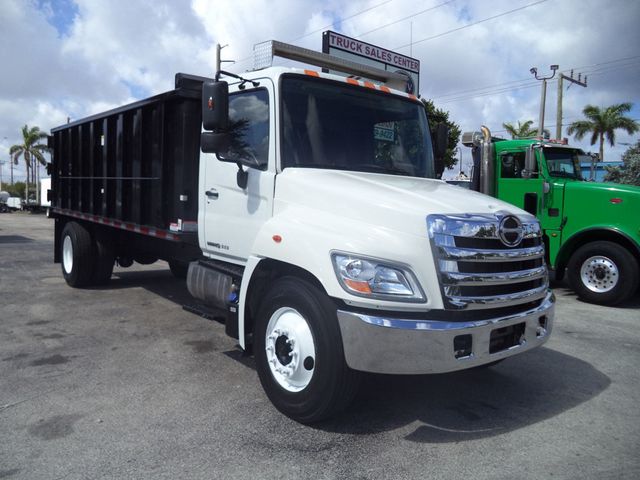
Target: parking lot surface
(122,382)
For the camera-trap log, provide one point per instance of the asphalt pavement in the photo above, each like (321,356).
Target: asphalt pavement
(122,382)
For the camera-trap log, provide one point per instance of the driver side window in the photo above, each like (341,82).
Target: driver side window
(249,127)
(512,164)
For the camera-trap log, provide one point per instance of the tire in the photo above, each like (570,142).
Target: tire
(143,259)
(297,332)
(104,258)
(77,255)
(178,269)
(603,272)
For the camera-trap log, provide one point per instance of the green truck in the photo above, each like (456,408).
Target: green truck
(591,230)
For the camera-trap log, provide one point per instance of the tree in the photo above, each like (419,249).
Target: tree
(32,151)
(436,116)
(603,123)
(629,172)
(523,130)
(16,190)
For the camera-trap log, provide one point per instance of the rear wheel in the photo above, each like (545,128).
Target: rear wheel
(299,354)
(77,255)
(603,272)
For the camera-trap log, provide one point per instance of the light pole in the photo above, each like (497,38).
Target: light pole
(543,97)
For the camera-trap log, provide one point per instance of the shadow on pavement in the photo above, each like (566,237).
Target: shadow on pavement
(472,404)
(454,407)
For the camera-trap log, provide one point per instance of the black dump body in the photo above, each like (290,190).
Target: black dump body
(134,168)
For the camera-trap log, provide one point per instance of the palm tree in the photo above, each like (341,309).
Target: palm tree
(523,130)
(32,151)
(603,124)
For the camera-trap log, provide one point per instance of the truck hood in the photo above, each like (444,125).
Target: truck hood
(609,205)
(395,202)
(605,190)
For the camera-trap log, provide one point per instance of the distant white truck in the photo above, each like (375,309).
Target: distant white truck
(14,203)
(45,186)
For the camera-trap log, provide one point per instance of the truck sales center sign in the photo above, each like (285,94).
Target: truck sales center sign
(356,51)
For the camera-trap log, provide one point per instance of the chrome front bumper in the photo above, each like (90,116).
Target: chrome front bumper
(397,346)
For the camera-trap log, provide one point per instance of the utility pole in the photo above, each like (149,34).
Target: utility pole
(559,114)
(543,97)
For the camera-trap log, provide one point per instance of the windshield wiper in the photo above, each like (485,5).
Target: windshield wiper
(382,169)
(563,174)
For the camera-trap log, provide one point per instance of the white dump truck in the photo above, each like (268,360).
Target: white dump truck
(305,206)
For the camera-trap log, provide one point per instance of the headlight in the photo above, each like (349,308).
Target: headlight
(372,278)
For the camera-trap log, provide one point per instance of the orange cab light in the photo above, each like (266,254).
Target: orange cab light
(362,287)
(313,73)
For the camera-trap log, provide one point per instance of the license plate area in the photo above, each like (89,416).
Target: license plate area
(506,337)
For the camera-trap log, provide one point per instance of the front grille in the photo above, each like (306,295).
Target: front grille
(488,260)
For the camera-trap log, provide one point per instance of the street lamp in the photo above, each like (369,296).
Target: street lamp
(534,72)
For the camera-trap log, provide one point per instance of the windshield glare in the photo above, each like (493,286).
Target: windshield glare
(563,162)
(330,125)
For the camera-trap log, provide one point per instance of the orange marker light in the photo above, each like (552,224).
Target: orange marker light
(362,287)
(313,73)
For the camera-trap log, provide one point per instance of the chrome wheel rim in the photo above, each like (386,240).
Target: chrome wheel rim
(290,349)
(599,274)
(67,254)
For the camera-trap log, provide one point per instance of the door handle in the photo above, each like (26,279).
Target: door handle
(213,193)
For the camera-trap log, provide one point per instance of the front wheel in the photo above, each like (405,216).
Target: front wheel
(299,354)
(603,272)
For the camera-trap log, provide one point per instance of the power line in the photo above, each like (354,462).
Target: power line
(472,24)
(344,20)
(404,18)
(340,20)
(504,87)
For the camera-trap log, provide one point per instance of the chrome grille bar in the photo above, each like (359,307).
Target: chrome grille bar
(479,279)
(500,300)
(483,255)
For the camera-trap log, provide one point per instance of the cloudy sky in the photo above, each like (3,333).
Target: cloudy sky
(72,58)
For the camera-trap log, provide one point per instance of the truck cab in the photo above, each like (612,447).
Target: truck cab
(591,229)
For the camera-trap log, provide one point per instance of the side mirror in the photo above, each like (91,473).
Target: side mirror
(215,105)
(211,142)
(530,163)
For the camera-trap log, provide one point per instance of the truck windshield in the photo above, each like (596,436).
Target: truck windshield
(331,125)
(563,162)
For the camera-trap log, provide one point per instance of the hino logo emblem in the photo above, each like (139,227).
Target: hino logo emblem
(510,231)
